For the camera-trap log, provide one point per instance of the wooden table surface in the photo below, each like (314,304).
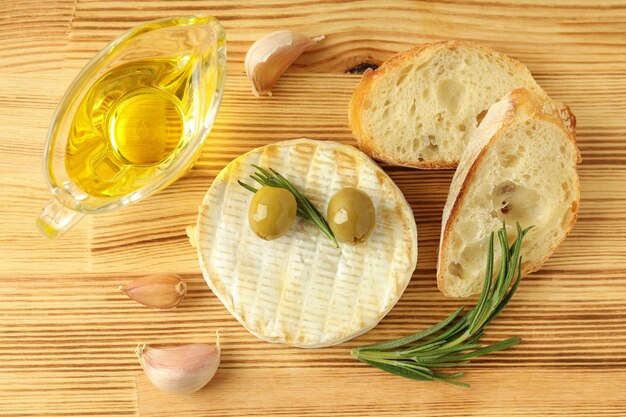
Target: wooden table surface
(67,336)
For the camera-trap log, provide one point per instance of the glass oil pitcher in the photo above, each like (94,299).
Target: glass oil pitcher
(134,119)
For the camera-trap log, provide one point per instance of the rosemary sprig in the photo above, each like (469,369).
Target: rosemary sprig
(306,209)
(455,340)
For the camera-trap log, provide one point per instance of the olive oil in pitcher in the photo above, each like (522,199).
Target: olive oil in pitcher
(132,123)
(134,119)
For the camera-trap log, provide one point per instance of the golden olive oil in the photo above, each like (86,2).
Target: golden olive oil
(131,124)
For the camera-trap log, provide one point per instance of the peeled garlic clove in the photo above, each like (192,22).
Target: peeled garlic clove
(180,369)
(163,291)
(271,55)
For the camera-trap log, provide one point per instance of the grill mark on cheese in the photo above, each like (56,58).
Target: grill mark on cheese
(300,289)
(315,193)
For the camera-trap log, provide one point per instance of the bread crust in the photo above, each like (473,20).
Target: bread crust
(363,89)
(497,120)
(359,97)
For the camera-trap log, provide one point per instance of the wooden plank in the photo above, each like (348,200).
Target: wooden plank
(34,34)
(155,229)
(83,323)
(27,103)
(313,392)
(79,394)
(570,35)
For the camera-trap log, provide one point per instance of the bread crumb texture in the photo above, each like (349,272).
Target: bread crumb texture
(526,174)
(421,107)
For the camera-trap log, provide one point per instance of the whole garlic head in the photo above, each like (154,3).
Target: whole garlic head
(271,55)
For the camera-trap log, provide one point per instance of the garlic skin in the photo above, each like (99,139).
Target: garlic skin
(271,55)
(162,291)
(182,369)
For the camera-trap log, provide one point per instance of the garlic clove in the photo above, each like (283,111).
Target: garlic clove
(162,291)
(271,55)
(182,369)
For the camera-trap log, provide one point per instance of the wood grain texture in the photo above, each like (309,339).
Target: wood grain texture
(34,35)
(303,392)
(67,335)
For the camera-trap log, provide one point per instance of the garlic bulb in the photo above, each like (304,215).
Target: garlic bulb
(271,55)
(162,291)
(182,369)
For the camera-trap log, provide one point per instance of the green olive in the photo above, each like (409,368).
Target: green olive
(272,212)
(351,215)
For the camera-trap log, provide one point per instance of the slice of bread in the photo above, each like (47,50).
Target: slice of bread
(519,166)
(421,106)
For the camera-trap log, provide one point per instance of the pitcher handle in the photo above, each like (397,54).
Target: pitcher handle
(55,219)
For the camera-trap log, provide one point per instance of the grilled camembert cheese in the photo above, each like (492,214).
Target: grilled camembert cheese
(299,289)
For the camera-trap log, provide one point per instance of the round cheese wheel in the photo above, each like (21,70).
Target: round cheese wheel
(299,289)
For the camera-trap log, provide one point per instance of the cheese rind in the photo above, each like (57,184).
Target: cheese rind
(299,289)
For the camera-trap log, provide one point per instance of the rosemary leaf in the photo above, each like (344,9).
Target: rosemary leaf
(503,344)
(305,208)
(456,339)
(392,344)
(247,187)
(450,364)
(399,370)
(476,317)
